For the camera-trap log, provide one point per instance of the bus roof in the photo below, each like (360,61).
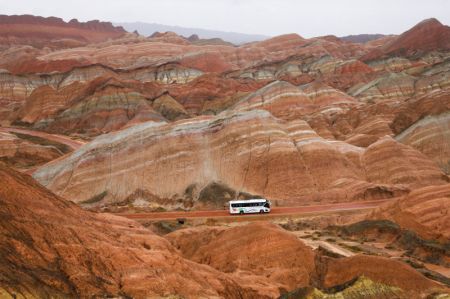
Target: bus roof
(248,200)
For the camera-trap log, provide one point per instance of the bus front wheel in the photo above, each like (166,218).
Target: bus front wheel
(241,213)
(261,211)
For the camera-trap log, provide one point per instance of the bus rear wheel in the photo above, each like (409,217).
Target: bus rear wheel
(241,213)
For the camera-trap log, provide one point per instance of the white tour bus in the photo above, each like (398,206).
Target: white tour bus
(249,206)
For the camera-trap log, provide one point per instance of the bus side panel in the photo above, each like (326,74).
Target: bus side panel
(249,210)
(234,210)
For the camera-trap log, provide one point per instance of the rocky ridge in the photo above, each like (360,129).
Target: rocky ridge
(54,32)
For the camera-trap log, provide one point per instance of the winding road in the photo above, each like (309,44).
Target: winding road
(279,211)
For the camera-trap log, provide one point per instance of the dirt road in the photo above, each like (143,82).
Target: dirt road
(298,210)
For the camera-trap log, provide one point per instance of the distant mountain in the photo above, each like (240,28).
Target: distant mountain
(233,37)
(52,31)
(361,38)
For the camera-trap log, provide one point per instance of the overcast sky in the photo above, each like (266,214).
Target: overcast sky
(270,17)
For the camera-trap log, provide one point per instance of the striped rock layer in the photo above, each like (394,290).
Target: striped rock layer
(425,211)
(431,136)
(293,119)
(54,32)
(250,152)
(322,79)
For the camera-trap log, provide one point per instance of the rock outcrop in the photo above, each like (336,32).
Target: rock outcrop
(169,108)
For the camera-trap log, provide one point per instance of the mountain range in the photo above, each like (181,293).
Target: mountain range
(120,154)
(148,29)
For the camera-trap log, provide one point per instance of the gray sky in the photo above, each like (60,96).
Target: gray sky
(270,17)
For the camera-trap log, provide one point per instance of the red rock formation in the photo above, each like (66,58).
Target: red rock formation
(38,66)
(306,99)
(280,43)
(211,93)
(61,250)
(393,104)
(197,123)
(44,102)
(169,108)
(251,152)
(113,104)
(21,153)
(379,269)
(379,42)
(387,161)
(169,37)
(214,58)
(39,31)
(288,263)
(109,108)
(121,84)
(291,57)
(428,35)
(362,38)
(207,62)
(431,136)
(425,211)
(265,251)
(193,38)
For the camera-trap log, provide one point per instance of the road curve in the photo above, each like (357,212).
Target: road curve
(297,210)
(73,144)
